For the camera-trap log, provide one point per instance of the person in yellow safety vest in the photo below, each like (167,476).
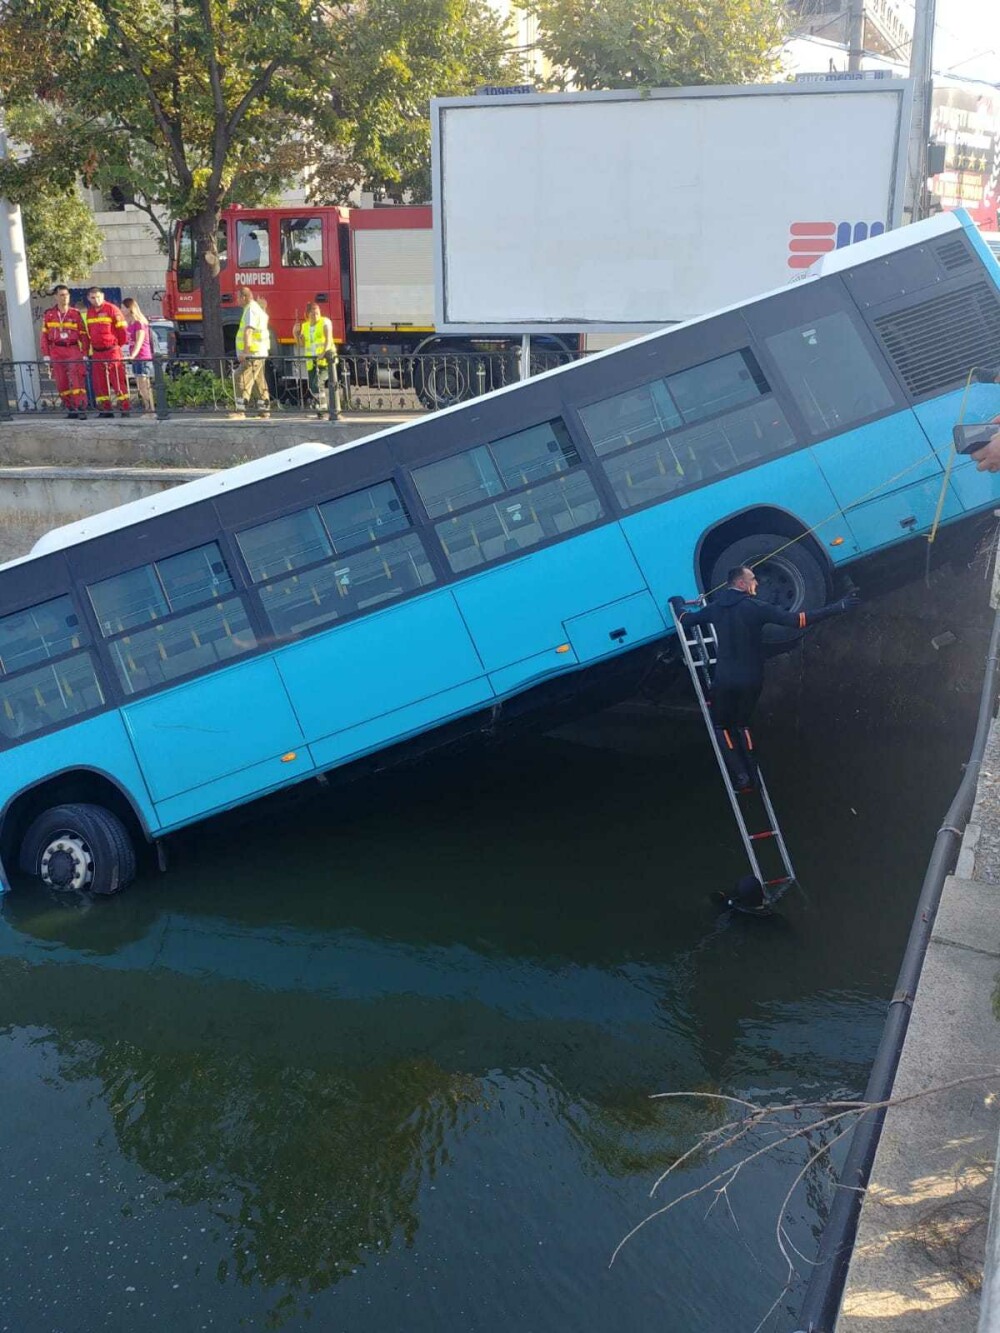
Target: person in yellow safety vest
(253,342)
(321,355)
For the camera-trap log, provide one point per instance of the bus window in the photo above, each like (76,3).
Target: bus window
(171,618)
(253,244)
(650,451)
(301,242)
(704,391)
(185,259)
(519,521)
(491,469)
(525,517)
(630,418)
(306,580)
(366,516)
(34,696)
(285,544)
(830,373)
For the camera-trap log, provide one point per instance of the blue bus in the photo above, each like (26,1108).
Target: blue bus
(187,653)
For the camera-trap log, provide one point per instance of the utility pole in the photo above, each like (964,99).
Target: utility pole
(855,34)
(13,257)
(921,72)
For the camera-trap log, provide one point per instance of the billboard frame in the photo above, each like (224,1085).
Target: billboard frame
(903,87)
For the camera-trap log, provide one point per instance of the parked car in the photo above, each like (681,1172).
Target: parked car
(164,335)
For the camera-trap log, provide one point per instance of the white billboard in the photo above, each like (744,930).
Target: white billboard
(625,210)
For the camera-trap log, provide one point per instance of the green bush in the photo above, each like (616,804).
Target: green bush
(194,386)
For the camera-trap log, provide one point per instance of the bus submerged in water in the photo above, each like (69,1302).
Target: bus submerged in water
(187,653)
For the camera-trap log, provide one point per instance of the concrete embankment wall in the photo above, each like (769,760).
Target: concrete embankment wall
(55,472)
(917,1265)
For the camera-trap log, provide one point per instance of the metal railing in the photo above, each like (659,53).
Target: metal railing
(198,385)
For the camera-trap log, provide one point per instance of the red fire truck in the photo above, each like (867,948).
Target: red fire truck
(370,269)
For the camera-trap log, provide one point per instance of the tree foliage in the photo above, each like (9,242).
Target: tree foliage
(190,105)
(594,44)
(62,240)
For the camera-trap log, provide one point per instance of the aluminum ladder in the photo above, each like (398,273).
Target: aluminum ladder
(700,647)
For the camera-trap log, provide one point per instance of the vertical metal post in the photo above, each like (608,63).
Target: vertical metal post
(333,387)
(921,72)
(14,260)
(5,412)
(525,356)
(855,34)
(160,390)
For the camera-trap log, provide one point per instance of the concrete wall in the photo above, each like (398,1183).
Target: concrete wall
(33,501)
(180,442)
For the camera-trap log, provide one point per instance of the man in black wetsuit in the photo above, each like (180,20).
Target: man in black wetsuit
(739,621)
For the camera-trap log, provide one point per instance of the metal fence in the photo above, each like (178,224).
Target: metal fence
(289,387)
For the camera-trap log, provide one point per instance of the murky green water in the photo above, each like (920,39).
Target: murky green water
(382,1060)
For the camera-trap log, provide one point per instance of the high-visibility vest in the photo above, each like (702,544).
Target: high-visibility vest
(252,336)
(316,338)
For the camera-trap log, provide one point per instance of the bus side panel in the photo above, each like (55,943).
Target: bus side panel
(401,724)
(664,536)
(376,666)
(100,743)
(872,460)
(975,490)
(213,727)
(518,612)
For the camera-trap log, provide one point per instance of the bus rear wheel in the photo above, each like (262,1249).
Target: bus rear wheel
(789,577)
(79,847)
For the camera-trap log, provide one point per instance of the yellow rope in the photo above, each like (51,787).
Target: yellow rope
(951,459)
(881,486)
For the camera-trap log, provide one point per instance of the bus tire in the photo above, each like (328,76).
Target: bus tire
(792,579)
(80,847)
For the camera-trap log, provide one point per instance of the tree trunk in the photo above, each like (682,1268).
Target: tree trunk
(205,229)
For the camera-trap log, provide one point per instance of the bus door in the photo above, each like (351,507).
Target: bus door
(841,394)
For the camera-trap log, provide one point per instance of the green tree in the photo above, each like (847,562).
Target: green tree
(62,239)
(190,105)
(658,43)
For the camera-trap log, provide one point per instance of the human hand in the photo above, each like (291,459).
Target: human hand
(851,601)
(676,604)
(986,374)
(988,458)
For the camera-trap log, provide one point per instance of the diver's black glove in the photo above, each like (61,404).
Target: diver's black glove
(986,374)
(677,604)
(851,601)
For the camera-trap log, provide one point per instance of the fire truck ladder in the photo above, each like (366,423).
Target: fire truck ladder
(700,647)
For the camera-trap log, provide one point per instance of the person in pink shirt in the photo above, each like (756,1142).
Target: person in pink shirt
(139,350)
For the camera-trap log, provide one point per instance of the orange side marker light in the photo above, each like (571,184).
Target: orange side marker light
(837,541)
(563,648)
(287,758)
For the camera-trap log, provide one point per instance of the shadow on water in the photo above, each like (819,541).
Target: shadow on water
(382,1056)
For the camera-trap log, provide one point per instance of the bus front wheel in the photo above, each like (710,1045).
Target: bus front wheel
(789,576)
(79,847)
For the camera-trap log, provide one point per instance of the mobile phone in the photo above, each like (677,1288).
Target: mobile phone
(969,439)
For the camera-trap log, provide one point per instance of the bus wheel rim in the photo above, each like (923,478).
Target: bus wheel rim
(67,863)
(781,584)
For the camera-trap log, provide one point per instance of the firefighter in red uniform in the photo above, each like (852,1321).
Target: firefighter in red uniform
(64,345)
(106,336)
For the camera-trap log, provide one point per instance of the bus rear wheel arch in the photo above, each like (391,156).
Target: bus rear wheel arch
(791,573)
(80,847)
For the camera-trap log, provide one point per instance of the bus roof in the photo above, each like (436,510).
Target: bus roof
(190,492)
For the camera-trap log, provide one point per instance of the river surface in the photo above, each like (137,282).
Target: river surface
(382,1058)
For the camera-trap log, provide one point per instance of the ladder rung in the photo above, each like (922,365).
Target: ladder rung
(768,833)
